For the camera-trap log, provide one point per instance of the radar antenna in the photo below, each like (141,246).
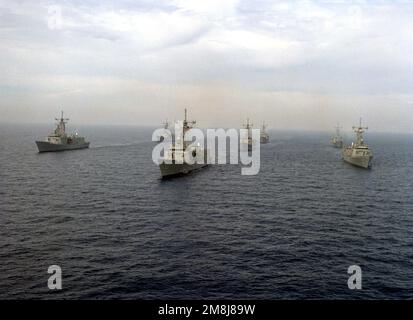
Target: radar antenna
(248,125)
(188,124)
(62,119)
(359,133)
(61,126)
(360,128)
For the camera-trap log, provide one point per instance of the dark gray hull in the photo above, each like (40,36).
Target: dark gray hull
(45,146)
(172,170)
(362,161)
(338,145)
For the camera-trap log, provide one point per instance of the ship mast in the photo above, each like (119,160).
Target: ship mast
(338,127)
(248,125)
(263,126)
(61,126)
(188,124)
(359,134)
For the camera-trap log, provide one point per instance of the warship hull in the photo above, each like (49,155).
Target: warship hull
(358,161)
(264,139)
(175,169)
(337,144)
(45,146)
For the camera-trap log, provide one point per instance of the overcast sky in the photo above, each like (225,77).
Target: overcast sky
(294,64)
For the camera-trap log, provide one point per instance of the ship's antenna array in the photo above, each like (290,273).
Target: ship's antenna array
(61,118)
(360,128)
(186,122)
(248,125)
(359,134)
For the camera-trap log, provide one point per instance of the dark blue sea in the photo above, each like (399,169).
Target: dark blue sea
(120,232)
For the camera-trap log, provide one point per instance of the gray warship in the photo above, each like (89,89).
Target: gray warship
(60,141)
(337,140)
(358,153)
(264,136)
(248,140)
(175,157)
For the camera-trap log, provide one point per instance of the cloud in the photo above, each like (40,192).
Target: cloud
(260,49)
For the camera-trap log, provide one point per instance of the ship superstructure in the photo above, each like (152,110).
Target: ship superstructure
(358,153)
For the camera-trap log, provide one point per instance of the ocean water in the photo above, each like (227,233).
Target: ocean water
(119,232)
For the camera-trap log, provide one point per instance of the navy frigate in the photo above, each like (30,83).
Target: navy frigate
(337,140)
(175,162)
(248,139)
(59,140)
(358,153)
(264,136)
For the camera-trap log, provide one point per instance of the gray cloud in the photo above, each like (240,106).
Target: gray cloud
(282,60)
